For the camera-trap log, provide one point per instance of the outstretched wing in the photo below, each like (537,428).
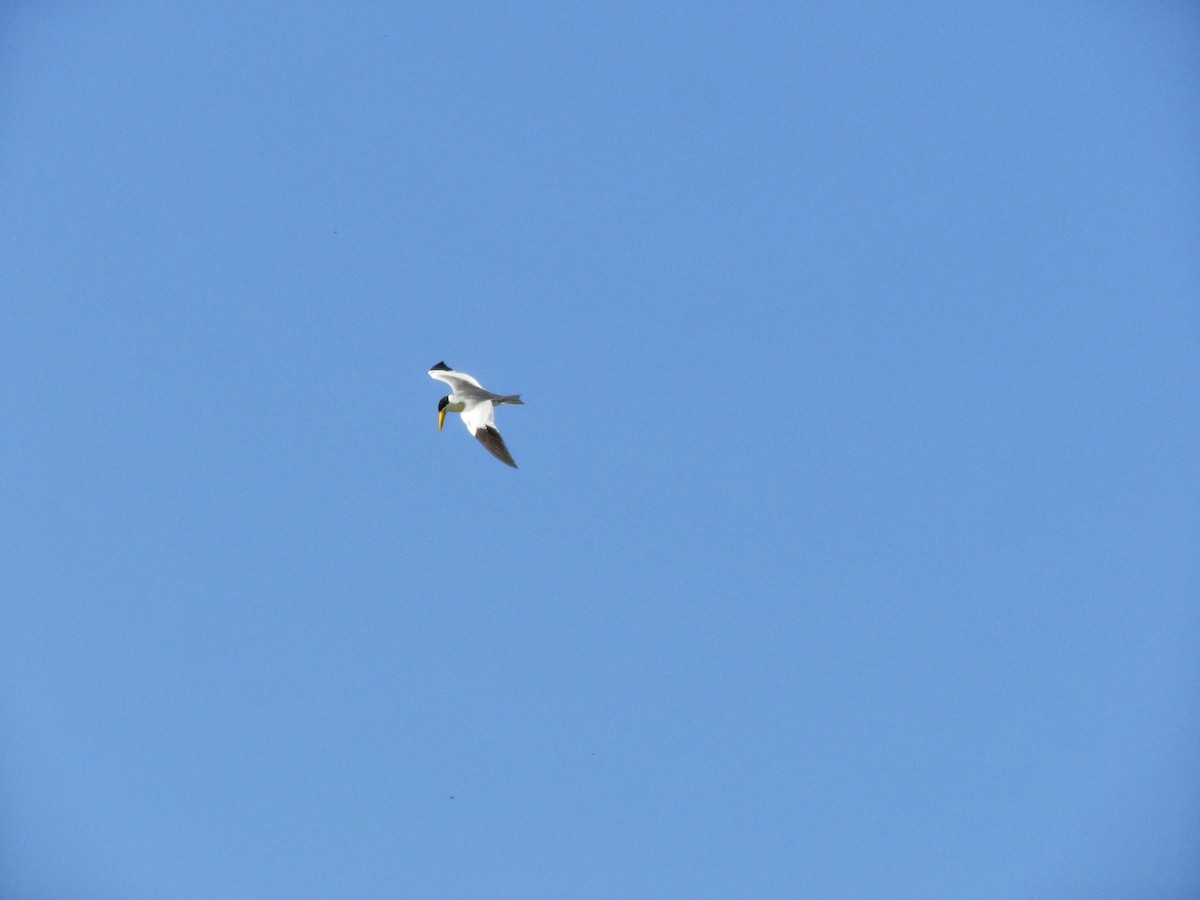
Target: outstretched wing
(490,438)
(480,419)
(456,380)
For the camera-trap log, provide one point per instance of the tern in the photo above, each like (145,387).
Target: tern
(477,407)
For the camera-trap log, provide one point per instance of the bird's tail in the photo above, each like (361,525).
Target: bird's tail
(514,399)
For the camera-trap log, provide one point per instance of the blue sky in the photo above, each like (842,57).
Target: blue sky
(853,551)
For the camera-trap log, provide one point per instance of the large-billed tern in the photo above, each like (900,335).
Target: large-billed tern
(477,407)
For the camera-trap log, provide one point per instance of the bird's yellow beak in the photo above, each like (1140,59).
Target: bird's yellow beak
(441,418)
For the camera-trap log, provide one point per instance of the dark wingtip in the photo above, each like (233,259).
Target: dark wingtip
(490,438)
(441,367)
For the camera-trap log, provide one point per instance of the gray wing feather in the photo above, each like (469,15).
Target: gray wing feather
(466,387)
(490,438)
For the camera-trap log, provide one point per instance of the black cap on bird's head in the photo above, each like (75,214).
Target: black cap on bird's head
(442,404)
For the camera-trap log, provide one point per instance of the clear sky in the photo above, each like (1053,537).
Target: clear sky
(853,551)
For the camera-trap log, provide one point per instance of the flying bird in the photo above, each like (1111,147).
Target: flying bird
(477,407)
